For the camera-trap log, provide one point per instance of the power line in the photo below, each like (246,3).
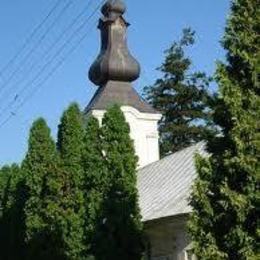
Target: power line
(47,65)
(56,41)
(36,46)
(33,33)
(35,89)
(50,74)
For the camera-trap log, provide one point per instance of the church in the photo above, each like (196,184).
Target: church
(164,185)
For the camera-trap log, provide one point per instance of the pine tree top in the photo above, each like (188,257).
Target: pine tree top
(116,135)
(183,97)
(115,120)
(71,134)
(41,146)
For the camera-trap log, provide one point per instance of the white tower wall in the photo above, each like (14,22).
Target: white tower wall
(143,131)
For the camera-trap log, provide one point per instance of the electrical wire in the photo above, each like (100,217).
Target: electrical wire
(57,40)
(51,73)
(47,65)
(36,46)
(28,40)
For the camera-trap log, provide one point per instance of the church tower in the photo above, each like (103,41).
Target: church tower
(113,72)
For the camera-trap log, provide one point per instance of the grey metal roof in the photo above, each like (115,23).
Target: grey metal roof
(164,186)
(116,92)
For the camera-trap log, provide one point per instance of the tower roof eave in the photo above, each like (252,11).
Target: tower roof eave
(122,93)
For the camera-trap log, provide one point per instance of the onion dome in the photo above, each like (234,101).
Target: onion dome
(115,68)
(114,61)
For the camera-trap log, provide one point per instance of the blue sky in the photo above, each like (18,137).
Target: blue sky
(154,26)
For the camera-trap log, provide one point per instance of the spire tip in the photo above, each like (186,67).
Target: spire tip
(113,6)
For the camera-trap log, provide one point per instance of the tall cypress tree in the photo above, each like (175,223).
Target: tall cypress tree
(183,98)
(224,200)
(119,234)
(94,177)
(70,146)
(38,167)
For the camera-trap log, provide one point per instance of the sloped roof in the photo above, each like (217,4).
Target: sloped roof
(118,92)
(164,186)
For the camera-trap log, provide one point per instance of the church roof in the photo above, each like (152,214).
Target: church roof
(121,93)
(165,186)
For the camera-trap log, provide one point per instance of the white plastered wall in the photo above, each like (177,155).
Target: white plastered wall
(144,132)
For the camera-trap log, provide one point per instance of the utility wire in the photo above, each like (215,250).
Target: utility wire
(48,64)
(58,39)
(38,86)
(50,74)
(36,46)
(28,40)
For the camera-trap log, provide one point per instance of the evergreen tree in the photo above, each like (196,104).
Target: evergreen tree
(5,176)
(119,231)
(38,167)
(70,146)
(94,177)
(4,179)
(12,219)
(225,196)
(182,97)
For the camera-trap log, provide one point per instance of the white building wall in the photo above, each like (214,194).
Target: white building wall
(144,132)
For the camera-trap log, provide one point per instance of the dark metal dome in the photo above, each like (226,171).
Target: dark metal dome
(114,61)
(115,68)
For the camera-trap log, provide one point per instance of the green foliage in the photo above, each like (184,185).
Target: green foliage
(94,177)
(182,97)
(39,169)
(71,196)
(119,231)
(75,199)
(5,173)
(225,196)
(12,216)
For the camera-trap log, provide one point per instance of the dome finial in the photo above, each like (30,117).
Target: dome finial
(113,6)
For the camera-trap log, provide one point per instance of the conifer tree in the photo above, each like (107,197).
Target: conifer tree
(5,183)
(119,232)
(38,167)
(70,146)
(94,177)
(224,199)
(182,97)
(4,179)
(5,176)
(12,218)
